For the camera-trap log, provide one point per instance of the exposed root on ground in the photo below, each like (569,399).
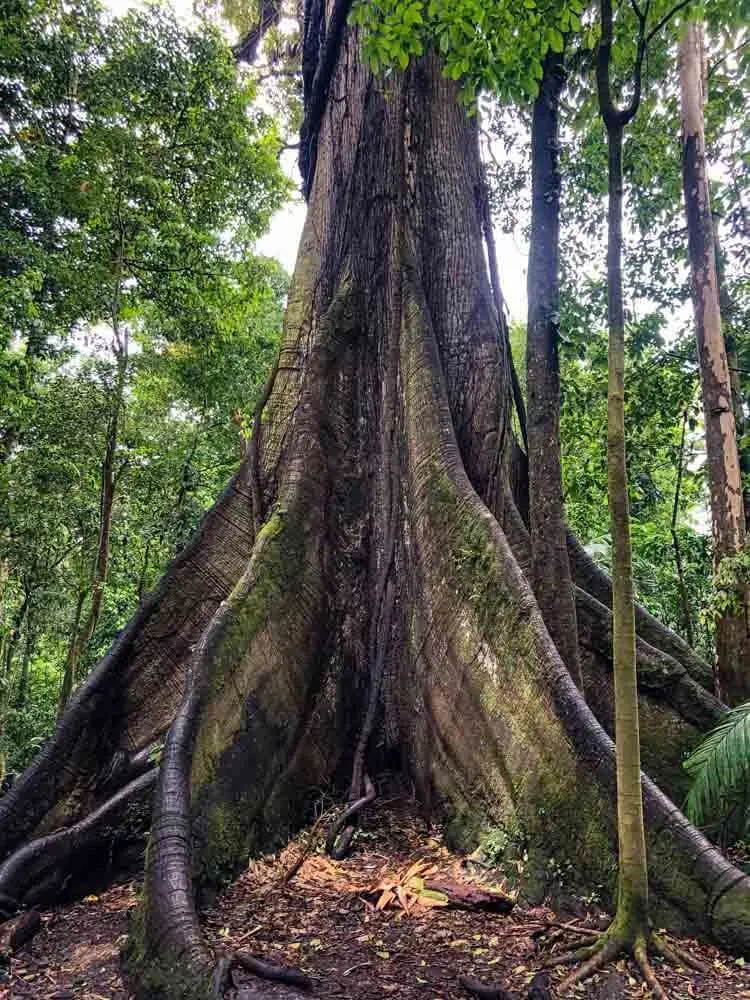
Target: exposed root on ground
(341,831)
(607,946)
(269,971)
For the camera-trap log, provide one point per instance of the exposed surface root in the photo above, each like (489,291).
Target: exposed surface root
(676,955)
(610,946)
(538,989)
(272,972)
(259,967)
(586,953)
(341,831)
(647,971)
(41,869)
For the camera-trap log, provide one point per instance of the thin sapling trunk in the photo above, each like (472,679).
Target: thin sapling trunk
(687,620)
(630,931)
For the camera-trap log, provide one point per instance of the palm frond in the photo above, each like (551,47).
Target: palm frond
(720,768)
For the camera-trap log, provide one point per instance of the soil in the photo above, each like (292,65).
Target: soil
(362,929)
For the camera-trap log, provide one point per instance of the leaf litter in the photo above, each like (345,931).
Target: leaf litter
(366,928)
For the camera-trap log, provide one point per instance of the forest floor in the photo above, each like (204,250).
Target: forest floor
(359,928)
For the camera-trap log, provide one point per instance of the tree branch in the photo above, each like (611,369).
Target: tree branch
(667,17)
(270,15)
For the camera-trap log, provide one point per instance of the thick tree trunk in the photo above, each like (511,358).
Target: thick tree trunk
(379,616)
(550,569)
(725,486)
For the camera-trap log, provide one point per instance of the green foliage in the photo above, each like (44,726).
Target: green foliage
(730,585)
(659,389)
(719,767)
(494,844)
(136,176)
(496,47)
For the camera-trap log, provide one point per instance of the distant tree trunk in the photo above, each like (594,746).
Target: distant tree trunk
(550,570)
(685,616)
(738,400)
(81,634)
(356,599)
(724,480)
(6,668)
(28,652)
(74,648)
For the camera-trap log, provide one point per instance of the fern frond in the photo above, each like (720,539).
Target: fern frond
(719,767)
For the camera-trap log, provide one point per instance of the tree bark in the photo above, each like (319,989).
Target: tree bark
(738,402)
(380,585)
(632,906)
(687,621)
(550,570)
(631,927)
(732,666)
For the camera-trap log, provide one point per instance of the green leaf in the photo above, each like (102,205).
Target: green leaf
(719,766)
(556,40)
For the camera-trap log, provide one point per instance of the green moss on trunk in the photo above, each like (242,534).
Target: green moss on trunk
(509,746)
(158,977)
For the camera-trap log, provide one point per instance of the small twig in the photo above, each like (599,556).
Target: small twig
(360,965)
(305,852)
(248,934)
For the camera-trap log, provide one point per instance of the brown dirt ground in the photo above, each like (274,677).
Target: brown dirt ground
(326,921)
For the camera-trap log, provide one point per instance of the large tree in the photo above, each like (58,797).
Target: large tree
(722,456)
(357,595)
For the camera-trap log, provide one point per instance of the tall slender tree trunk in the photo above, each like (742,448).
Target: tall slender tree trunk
(550,570)
(685,616)
(632,901)
(732,670)
(81,634)
(631,928)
